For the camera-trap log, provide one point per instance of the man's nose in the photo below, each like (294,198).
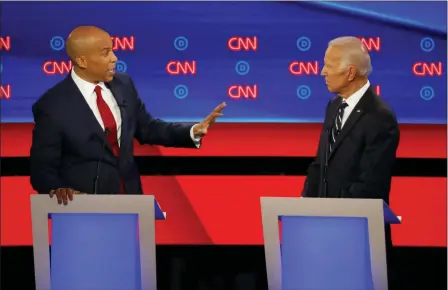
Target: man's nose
(114,57)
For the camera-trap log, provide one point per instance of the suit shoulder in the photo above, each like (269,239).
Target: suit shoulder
(382,109)
(122,79)
(126,83)
(384,116)
(52,97)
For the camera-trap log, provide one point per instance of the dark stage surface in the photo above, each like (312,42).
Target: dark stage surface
(235,268)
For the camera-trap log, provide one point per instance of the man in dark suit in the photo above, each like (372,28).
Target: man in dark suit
(360,135)
(85,125)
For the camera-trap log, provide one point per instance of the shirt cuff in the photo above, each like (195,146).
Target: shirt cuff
(196,140)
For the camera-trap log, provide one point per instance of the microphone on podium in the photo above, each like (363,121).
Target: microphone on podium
(98,166)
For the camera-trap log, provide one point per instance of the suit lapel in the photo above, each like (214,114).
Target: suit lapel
(118,94)
(333,112)
(328,123)
(354,117)
(81,109)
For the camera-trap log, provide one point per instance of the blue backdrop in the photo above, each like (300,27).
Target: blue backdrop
(409,32)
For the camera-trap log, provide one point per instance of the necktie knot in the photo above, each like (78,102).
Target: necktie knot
(343,105)
(98,90)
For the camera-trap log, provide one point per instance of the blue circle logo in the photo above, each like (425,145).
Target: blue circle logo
(427,93)
(121,66)
(57,43)
(303,92)
(180,43)
(427,44)
(181,91)
(303,43)
(1,67)
(242,68)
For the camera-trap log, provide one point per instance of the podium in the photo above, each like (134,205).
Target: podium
(326,243)
(101,242)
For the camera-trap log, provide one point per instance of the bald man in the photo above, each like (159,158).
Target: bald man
(360,135)
(85,125)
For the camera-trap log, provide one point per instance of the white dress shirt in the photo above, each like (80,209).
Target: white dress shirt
(88,91)
(352,101)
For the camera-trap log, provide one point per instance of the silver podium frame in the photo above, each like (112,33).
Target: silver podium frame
(372,209)
(142,205)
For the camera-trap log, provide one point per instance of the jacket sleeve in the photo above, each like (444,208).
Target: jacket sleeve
(158,132)
(377,161)
(311,185)
(45,155)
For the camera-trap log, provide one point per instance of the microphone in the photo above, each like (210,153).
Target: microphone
(97,177)
(327,151)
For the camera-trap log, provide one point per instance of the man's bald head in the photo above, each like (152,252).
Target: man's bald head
(82,39)
(90,50)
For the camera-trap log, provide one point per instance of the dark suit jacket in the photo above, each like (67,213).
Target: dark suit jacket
(360,165)
(68,142)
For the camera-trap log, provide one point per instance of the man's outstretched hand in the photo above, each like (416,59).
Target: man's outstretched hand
(63,195)
(200,130)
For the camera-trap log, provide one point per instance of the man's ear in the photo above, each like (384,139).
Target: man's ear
(352,71)
(81,61)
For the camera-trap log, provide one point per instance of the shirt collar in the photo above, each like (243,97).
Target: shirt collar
(85,87)
(354,99)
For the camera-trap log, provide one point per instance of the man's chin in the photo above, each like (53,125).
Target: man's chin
(330,89)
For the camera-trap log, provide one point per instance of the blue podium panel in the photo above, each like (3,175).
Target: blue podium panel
(95,251)
(325,253)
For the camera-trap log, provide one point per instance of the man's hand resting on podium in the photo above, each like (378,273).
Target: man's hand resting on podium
(200,130)
(63,195)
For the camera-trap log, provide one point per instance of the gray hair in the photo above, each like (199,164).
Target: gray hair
(354,53)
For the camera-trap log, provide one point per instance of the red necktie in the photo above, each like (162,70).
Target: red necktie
(109,124)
